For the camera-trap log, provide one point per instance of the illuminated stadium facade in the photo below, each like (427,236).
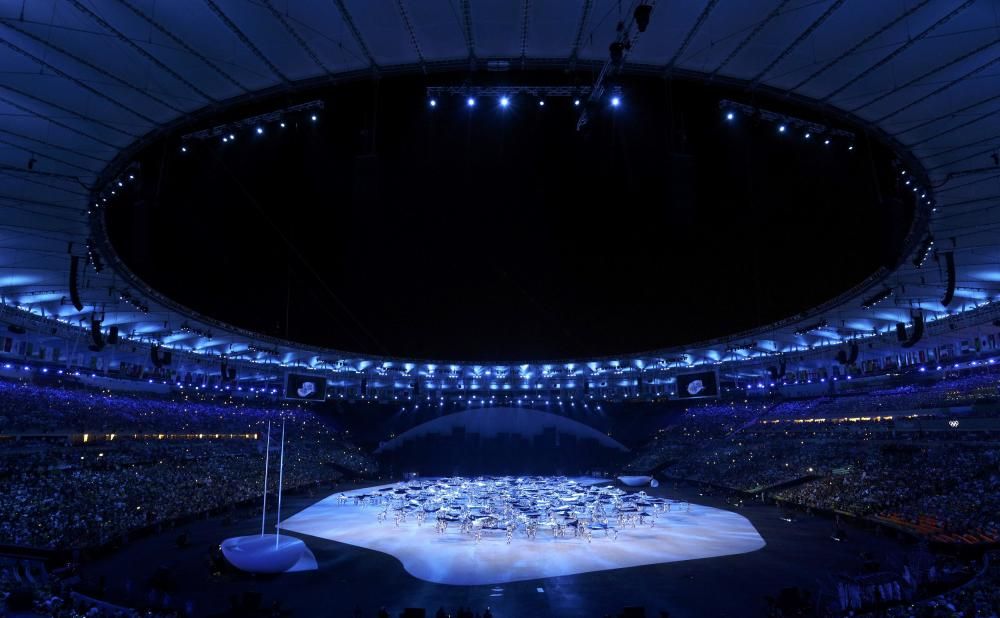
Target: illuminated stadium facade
(917,79)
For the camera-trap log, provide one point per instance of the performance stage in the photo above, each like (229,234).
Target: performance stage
(498,532)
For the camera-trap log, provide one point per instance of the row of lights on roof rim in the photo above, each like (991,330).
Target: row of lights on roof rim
(104,198)
(259,131)
(923,194)
(616,101)
(782,128)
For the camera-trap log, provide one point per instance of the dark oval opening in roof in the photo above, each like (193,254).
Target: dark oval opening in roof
(388,226)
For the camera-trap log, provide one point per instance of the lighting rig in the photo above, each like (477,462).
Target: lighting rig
(228,131)
(805,330)
(194,330)
(126,296)
(875,299)
(909,181)
(93,257)
(504,95)
(786,124)
(925,249)
(626,36)
(259,350)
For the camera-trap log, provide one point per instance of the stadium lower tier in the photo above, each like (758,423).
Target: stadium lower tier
(782,508)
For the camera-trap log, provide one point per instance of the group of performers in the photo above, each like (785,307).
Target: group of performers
(510,505)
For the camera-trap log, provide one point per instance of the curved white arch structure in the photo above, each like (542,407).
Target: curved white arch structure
(490,422)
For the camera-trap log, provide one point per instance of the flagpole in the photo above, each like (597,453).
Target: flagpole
(267,457)
(281,475)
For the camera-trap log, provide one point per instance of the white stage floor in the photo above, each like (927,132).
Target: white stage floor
(455,558)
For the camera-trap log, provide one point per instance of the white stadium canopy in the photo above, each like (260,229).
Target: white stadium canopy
(85,83)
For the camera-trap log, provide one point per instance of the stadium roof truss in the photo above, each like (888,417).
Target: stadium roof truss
(86,84)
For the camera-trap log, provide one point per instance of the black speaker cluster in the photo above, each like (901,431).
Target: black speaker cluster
(911,339)
(74,284)
(96,335)
(849,356)
(227,373)
(918,331)
(949,266)
(160,357)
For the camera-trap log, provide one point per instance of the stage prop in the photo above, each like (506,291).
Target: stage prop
(269,553)
(636,481)
(492,530)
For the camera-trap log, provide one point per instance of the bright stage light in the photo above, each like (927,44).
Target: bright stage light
(827,142)
(433,103)
(615,101)
(576,102)
(781,128)
(314,117)
(282,125)
(541,103)
(470,102)
(184,149)
(504,101)
(730,115)
(808,135)
(232,137)
(260,131)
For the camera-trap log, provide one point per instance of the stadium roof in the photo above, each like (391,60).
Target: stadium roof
(87,83)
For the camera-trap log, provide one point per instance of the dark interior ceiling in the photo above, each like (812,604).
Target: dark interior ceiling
(390,227)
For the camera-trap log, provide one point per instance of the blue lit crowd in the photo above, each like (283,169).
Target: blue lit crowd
(170,459)
(56,492)
(914,471)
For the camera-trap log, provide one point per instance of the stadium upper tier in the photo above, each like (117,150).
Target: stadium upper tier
(86,86)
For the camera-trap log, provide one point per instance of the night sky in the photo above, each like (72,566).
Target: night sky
(390,227)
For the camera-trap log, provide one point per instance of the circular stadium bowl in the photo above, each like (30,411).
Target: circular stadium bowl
(635,481)
(260,553)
